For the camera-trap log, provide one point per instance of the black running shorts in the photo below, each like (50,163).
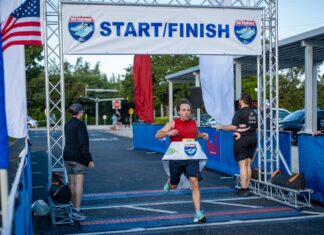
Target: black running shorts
(244,147)
(189,167)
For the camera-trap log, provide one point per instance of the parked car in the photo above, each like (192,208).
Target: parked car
(204,117)
(31,123)
(52,121)
(283,113)
(294,122)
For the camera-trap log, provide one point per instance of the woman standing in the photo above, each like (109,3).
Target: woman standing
(76,156)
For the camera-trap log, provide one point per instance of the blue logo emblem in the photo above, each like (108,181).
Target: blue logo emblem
(245,30)
(81,27)
(190,149)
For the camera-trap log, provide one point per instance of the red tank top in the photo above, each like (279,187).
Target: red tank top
(187,129)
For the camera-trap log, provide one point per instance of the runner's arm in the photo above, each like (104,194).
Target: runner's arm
(203,135)
(167,130)
(227,128)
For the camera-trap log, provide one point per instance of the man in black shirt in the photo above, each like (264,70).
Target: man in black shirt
(244,125)
(77,157)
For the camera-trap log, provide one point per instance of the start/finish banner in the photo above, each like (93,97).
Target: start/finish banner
(138,29)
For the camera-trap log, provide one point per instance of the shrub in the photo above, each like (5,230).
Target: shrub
(161,120)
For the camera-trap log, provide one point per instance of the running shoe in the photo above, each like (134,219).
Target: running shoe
(78,215)
(244,192)
(167,187)
(200,218)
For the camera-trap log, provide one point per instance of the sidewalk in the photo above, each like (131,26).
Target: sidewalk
(123,131)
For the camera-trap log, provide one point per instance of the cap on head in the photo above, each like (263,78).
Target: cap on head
(76,108)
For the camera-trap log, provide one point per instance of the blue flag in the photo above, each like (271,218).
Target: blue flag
(4,147)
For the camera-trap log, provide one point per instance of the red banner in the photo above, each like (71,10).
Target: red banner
(143,93)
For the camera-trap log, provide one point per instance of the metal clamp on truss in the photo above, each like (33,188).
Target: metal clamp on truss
(290,197)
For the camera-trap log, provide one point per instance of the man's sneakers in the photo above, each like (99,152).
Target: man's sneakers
(78,215)
(167,187)
(200,218)
(244,192)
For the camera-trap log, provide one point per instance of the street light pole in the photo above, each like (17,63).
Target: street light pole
(85,92)
(97,110)
(97,100)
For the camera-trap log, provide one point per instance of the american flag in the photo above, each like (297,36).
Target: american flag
(23,26)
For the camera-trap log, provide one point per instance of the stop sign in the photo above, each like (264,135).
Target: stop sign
(116,104)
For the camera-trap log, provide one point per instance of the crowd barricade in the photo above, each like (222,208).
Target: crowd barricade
(311,163)
(144,138)
(19,212)
(219,148)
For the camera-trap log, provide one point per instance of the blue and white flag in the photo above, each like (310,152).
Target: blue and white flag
(217,86)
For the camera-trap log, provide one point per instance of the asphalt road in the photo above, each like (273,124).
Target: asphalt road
(123,194)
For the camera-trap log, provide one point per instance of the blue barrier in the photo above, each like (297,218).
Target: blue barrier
(19,213)
(219,148)
(311,162)
(23,213)
(144,138)
(284,147)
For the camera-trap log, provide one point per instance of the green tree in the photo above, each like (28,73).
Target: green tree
(320,91)
(162,65)
(291,89)
(249,85)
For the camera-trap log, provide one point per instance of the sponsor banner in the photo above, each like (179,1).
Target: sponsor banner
(124,29)
(184,151)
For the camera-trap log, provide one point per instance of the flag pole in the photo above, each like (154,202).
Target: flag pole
(4,193)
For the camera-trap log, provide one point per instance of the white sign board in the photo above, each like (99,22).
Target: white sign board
(121,29)
(184,150)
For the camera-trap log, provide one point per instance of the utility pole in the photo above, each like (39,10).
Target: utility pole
(97,100)
(85,93)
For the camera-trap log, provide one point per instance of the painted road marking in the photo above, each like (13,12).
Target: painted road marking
(104,139)
(165,203)
(234,204)
(184,226)
(150,209)
(38,187)
(156,192)
(150,153)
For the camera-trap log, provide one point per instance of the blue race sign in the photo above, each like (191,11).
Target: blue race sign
(81,28)
(245,30)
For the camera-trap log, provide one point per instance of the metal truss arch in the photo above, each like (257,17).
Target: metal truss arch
(268,85)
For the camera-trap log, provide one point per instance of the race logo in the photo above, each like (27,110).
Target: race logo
(81,27)
(190,149)
(170,151)
(245,30)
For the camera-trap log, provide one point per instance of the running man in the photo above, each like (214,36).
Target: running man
(184,128)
